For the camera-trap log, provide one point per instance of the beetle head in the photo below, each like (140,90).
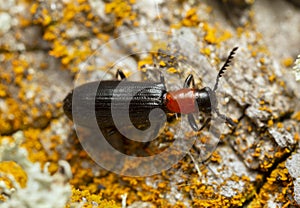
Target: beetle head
(206,100)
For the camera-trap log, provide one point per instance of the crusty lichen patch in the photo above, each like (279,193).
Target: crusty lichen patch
(277,190)
(25,179)
(88,200)
(26,101)
(121,12)
(11,168)
(296,68)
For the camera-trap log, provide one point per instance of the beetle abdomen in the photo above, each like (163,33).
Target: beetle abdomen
(138,98)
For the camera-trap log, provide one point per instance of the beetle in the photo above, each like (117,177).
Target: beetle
(144,97)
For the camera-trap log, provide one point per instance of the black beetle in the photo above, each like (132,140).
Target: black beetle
(146,96)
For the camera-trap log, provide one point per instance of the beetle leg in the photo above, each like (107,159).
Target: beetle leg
(227,119)
(188,81)
(192,122)
(206,123)
(194,125)
(121,74)
(162,78)
(173,117)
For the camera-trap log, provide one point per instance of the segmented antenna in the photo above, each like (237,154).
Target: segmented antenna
(224,67)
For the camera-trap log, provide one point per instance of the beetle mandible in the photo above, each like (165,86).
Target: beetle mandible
(188,100)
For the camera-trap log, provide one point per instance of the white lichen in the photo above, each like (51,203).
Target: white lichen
(124,198)
(5,22)
(296,68)
(293,164)
(42,189)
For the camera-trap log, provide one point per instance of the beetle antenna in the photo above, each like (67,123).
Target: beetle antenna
(224,67)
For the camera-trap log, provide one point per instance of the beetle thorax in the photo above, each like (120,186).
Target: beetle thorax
(206,100)
(181,101)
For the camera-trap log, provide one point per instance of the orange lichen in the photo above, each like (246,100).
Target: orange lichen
(13,169)
(90,200)
(279,184)
(296,116)
(288,62)
(205,51)
(21,107)
(257,152)
(270,123)
(122,11)
(75,54)
(265,108)
(162,63)
(216,157)
(279,125)
(210,36)
(296,137)
(191,18)
(72,52)
(207,197)
(34,146)
(3,91)
(44,17)
(272,78)
(281,83)
(172,70)
(214,35)
(7,121)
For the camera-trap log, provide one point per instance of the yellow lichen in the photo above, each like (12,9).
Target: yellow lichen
(296,116)
(121,10)
(265,108)
(205,51)
(90,200)
(216,157)
(279,183)
(214,35)
(272,78)
(13,169)
(191,18)
(288,62)
(270,123)
(210,36)
(172,70)
(3,91)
